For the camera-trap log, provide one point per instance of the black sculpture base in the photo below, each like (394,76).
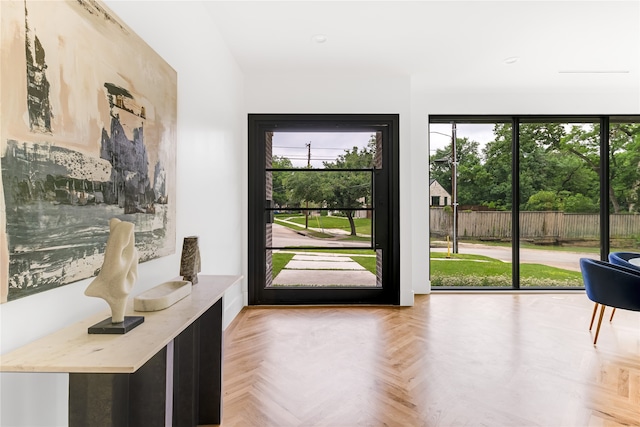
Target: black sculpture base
(106,327)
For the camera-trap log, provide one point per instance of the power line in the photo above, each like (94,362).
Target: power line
(315,148)
(312,158)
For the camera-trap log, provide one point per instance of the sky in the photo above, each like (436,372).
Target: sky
(325,146)
(481,133)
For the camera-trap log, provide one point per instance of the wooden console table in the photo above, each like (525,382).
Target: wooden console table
(165,372)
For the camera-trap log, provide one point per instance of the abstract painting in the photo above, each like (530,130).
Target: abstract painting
(87,133)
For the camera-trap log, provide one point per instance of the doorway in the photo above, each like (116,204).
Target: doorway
(323,209)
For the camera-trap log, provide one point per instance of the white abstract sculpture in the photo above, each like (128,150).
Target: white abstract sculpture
(119,270)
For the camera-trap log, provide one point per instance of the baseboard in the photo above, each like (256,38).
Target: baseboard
(233,304)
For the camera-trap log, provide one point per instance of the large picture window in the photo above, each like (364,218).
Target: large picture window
(566,187)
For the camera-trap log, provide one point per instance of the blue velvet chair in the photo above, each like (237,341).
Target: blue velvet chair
(619,258)
(623,258)
(610,285)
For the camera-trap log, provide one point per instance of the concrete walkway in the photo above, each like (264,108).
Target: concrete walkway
(310,269)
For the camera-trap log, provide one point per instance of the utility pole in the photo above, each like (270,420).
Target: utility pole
(452,160)
(454,185)
(306,213)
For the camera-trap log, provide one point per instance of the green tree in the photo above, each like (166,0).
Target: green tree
(302,187)
(280,197)
(496,174)
(624,143)
(544,201)
(583,142)
(345,191)
(470,170)
(350,189)
(579,203)
(540,165)
(548,169)
(557,160)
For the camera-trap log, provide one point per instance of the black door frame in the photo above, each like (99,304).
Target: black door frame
(388,177)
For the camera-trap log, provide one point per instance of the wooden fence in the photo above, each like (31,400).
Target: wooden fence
(546,227)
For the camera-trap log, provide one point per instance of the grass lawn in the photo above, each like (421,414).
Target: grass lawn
(363,225)
(462,270)
(318,234)
(279,261)
(474,270)
(356,239)
(309,232)
(345,251)
(368,262)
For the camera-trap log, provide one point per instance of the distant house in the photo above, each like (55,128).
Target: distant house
(439,196)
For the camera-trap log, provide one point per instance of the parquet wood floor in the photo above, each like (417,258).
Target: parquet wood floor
(451,360)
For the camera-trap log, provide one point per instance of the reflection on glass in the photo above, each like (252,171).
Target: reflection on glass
(559,202)
(483,193)
(624,193)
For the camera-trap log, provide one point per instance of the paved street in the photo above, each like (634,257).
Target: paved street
(560,259)
(283,236)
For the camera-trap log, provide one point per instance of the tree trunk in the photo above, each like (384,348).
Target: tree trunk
(351,223)
(635,187)
(614,200)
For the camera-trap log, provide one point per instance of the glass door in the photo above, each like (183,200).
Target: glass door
(320,209)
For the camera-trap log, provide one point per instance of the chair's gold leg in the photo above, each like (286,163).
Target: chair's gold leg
(612,313)
(593,316)
(599,323)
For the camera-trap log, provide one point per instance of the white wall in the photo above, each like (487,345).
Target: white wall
(211,198)
(343,94)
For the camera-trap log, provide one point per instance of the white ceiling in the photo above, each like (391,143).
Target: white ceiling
(455,42)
